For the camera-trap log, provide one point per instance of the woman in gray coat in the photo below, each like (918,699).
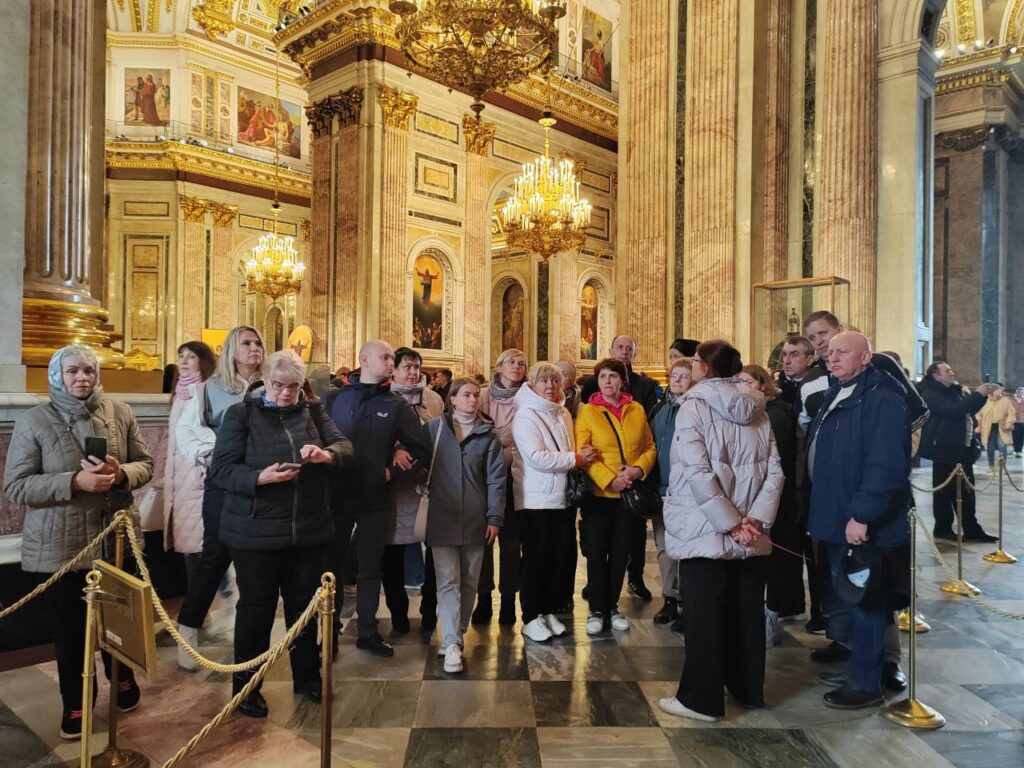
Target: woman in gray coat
(467,509)
(71,497)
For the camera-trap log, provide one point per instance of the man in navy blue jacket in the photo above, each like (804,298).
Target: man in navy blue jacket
(859,464)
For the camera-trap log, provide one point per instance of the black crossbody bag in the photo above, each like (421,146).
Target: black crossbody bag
(642,498)
(578,485)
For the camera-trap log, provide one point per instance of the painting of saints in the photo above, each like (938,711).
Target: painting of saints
(588,323)
(596,50)
(428,302)
(512,311)
(266,122)
(147,100)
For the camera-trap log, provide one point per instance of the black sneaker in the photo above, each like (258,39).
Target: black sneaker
(428,623)
(128,694)
(832,653)
(815,626)
(483,612)
(399,625)
(376,645)
(311,690)
(893,678)
(669,612)
(507,613)
(980,536)
(639,590)
(945,535)
(584,593)
(850,698)
(253,705)
(71,724)
(678,627)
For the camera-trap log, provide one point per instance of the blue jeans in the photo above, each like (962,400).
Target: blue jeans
(995,443)
(867,622)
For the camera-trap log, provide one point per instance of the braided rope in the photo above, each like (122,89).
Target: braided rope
(954,576)
(937,488)
(68,566)
(1010,478)
(976,489)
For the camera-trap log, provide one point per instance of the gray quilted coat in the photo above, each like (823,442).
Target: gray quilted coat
(725,466)
(45,455)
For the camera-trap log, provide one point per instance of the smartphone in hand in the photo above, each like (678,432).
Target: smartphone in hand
(287,465)
(96,448)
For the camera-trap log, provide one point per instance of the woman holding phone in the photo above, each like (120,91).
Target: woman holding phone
(73,462)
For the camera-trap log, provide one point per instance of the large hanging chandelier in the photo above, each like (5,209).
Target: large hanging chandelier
(478,45)
(273,267)
(546,214)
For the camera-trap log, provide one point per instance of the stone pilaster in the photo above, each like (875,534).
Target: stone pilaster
(564,325)
(478,232)
(775,162)
(222,309)
(396,109)
(193,261)
(347,209)
(710,194)
(647,179)
(846,197)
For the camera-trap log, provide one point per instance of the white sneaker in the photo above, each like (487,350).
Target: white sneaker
(619,622)
(191,636)
(557,628)
(453,658)
(595,624)
(537,630)
(771,627)
(673,707)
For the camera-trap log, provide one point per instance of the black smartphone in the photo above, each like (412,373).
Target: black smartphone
(988,378)
(288,465)
(96,448)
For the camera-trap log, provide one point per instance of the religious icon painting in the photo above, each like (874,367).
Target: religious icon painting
(513,307)
(147,96)
(264,121)
(596,50)
(588,323)
(428,302)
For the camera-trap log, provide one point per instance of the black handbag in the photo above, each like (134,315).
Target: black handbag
(578,485)
(642,498)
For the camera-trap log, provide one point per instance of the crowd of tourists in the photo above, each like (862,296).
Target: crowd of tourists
(746,477)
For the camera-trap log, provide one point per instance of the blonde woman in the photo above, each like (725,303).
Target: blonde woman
(995,425)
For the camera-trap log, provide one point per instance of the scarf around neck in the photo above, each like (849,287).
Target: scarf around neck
(181,388)
(498,392)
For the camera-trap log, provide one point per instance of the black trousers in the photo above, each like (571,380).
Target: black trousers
(637,548)
(372,531)
(511,551)
(723,611)
(67,609)
(294,575)
(428,592)
(208,573)
(392,576)
(567,559)
(608,538)
(944,501)
(543,533)
(784,571)
(1018,437)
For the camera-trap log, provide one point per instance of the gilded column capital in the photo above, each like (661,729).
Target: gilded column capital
(479,134)
(578,161)
(194,209)
(346,106)
(396,106)
(223,214)
(306,226)
(214,17)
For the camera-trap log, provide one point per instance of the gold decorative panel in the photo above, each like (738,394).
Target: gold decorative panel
(436,178)
(146,257)
(599,223)
(506,150)
(143,294)
(600,181)
(144,208)
(438,127)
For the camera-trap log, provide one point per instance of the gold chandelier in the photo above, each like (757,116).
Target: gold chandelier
(478,45)
(546,214)
(273,267)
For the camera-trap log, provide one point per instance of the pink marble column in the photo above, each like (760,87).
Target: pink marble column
(775,164)
(846,196)
(222,309)
(564,325)
(318,272)
(193,267)
(478,233)
(346,257)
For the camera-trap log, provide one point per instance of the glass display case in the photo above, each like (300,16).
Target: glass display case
(779,308)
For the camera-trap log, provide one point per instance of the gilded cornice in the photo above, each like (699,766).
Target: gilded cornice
(396,106)
(187,158)
(193,209)
(214,17)
(963,81)
(223,214)
(1013,31)
(479,134)
(966,26)
(346,106)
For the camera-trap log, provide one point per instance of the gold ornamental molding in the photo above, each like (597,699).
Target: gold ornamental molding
(307,227)
(578,161)
(188,158)
(223,214)
(347,106)
(396,106)
(966,26)
(214,17)
(479,134)
(193,209)
(965,140)
(961,82)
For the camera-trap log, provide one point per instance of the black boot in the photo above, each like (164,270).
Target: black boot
(484,611)
(253,705)
(669,612)
(507,614)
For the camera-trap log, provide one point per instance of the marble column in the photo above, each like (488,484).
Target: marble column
(319,272)
(479,136)
(396,109)
(349,189)
(775,160)
(222,301)
(646,206)
(711,157)
(58,307)
(193,267)
(564,325)
(846,197)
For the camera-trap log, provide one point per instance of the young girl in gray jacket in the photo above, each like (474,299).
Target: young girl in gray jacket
(467,508)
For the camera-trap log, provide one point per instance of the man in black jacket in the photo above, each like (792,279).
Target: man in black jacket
(644,390)
(375,420)
(947,439)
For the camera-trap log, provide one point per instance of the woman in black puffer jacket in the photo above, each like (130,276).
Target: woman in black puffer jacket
(274,456)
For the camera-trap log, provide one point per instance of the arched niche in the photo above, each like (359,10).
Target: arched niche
(596,312)
(510,315)
(434,288)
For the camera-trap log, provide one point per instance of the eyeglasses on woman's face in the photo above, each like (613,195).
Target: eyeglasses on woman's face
(280,386)
(680,376)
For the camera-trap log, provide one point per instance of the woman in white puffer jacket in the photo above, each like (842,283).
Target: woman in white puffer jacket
(543,452)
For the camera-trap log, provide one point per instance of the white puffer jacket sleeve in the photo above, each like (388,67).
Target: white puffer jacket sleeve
(193,438)
(544,452)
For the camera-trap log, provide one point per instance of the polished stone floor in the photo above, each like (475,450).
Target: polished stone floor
(581,702)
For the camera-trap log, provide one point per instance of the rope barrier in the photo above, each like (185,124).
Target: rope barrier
(973,487)
(68,566)
(1010,478)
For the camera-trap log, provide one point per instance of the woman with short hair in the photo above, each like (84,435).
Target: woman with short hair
(723,492)
(70,498)
(614,424)
(274,457)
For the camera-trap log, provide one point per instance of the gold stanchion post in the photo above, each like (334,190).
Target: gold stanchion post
(999,556)
(113,756)
(327,591)
(910,712)
(92,588)
(960,587)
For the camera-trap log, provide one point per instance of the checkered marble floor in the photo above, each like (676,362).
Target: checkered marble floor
(579,701)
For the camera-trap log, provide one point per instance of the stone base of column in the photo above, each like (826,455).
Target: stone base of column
(49,324)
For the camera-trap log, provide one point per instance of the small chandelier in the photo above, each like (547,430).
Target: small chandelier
(546,214)
(478,45)
(273,267)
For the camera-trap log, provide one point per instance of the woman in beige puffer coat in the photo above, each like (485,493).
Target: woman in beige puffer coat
(724,489)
